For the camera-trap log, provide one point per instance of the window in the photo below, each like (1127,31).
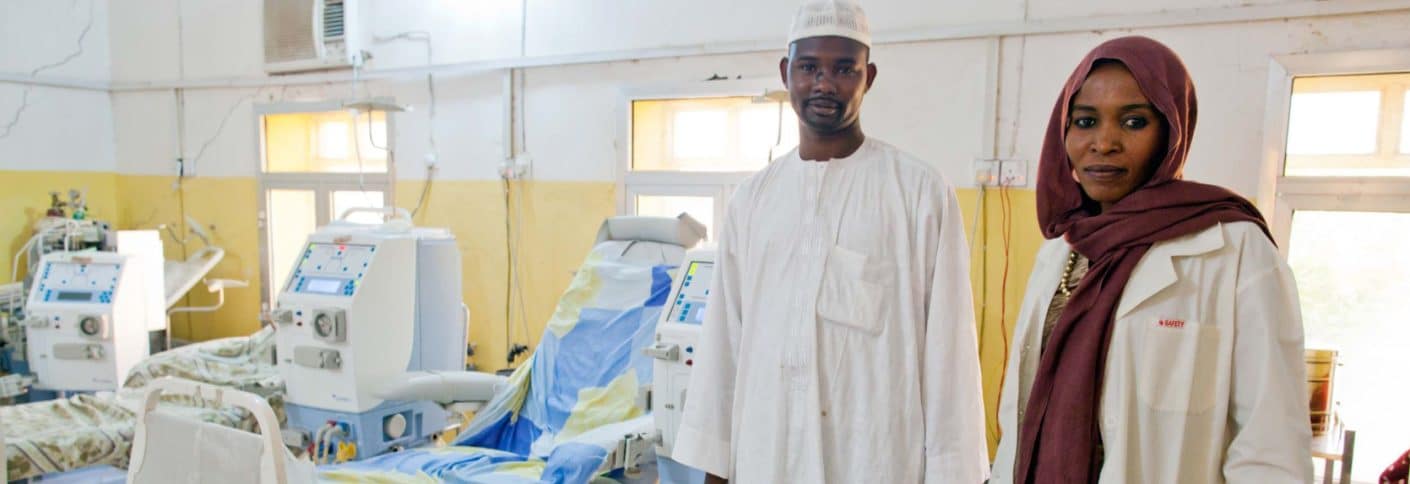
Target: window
(294,215)
(1338,196)
(317,163)
(1349,126)
(1405,124)
(688,153)
(1351,272)
(323,142)
(345,200)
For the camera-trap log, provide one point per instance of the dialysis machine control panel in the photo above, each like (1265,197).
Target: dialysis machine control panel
(86,327)
(677,339)
(331,269)
(326,269)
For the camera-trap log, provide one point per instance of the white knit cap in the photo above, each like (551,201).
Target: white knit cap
(831,18)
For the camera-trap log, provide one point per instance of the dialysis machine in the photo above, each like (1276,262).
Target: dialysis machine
(89,313)
(677,336)
(364,305)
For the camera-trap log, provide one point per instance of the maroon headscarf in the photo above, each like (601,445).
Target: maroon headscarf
(1059,437)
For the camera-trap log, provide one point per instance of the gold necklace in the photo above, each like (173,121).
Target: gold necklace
(1067,274)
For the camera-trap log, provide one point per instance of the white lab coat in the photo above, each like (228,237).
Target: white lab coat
(839,341)
(1205,380)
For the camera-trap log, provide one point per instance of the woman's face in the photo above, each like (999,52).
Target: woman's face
(1115,136)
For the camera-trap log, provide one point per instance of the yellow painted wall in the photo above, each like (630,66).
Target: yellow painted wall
(227,208)
(986,276)
(24,197)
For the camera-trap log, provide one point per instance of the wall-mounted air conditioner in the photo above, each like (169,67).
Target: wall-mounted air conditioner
(307,35)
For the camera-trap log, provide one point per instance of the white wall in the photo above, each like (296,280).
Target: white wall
(573,27)
(1229,64)
(930,98)
(1050,9)
(144,40)
(58,128)
(222,37)
(61,130)
(40,32)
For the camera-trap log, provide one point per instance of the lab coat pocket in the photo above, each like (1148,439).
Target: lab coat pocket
(1178,362)
(846,296)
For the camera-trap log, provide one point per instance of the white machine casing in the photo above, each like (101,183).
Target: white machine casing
(144,250)
(375,335)
(89,315)
(677,339)
(366,308)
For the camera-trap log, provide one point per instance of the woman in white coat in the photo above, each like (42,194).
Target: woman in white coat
(1160,340)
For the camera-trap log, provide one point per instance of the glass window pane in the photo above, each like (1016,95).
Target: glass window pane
(344,200)
(327,142)
(710,134)
(1351,274)
(1340,126)
(766,131)
(699,208)
(1405,127)
(1331,123)
(372,138)
(333,142)
(293,215)
(700,134)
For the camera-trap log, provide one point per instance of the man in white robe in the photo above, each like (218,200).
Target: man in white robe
(839,340)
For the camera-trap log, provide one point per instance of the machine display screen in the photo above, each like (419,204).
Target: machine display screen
(689,306)
(77,281)
(323,286)
(331,269)
(74,296)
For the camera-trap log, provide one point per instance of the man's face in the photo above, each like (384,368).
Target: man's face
(826,79)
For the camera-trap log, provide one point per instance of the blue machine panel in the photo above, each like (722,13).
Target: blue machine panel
(331,269)
(78,283)
(689,305)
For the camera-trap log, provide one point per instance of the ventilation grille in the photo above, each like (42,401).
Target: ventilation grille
(333,20)
(287,36)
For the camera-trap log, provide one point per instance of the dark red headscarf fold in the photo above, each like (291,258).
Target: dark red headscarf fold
(1059,437)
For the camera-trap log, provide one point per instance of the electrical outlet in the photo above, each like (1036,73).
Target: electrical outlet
(1008,173)
(1013,173)
(986,173)
(517,167)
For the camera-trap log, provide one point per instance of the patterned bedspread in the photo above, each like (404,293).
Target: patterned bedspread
(85,430)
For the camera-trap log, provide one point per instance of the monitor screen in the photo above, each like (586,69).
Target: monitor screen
(689,305)
(74,296)
(323,286)
(696,315)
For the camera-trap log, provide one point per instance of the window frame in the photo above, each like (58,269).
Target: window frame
(1389,122)
(323,184)
(1280,196)
(720,185)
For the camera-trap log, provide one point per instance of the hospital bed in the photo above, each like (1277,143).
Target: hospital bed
(56,436)
(52,437)
(574,412)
